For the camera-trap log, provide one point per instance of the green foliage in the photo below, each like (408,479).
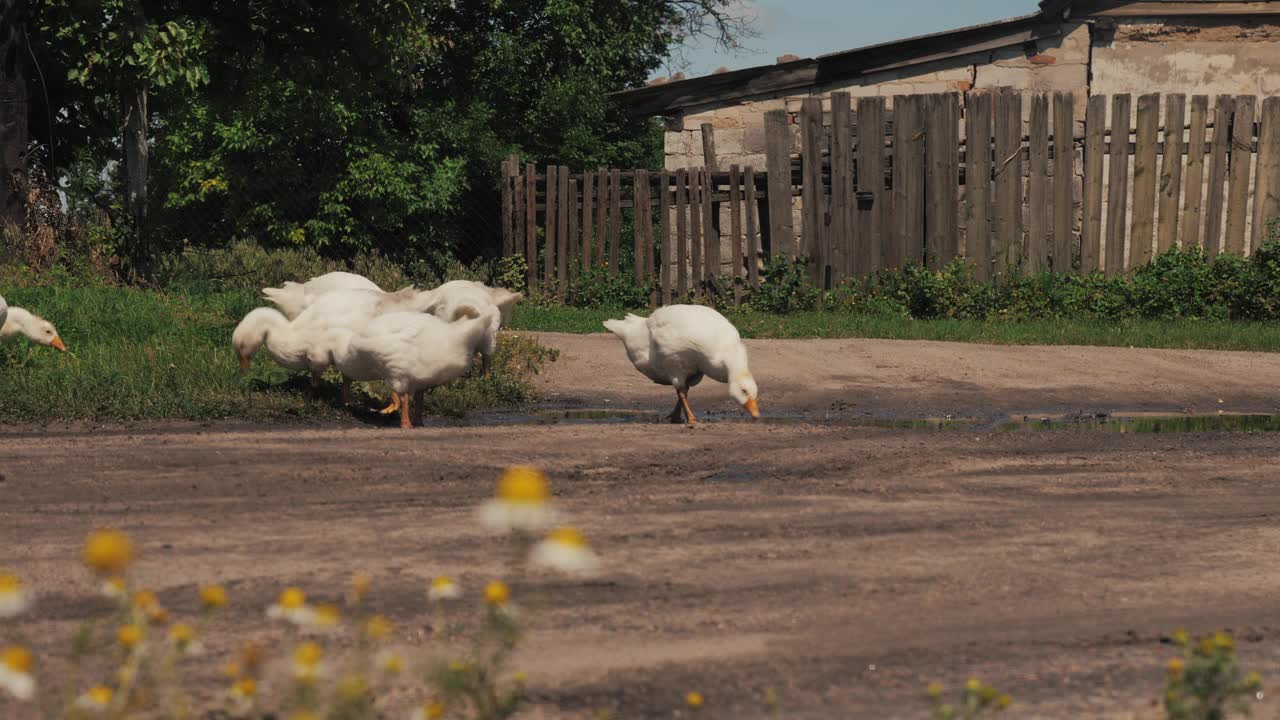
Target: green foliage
(1207,683)
(596,287)
(976,701)
(783,287)
(166,355)
(246,265)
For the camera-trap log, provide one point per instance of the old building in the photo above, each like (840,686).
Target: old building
(1082,46)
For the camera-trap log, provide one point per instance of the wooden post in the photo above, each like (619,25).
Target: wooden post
(588,219)
(549,232)
(1094,150)
(573,202)
(682,238)
(777,139)
(695,231)
(709,146)
(1266,193)
(508,205)
(1037,257)
(531,227)
(1170,186)
(517,187)
(1241,157)
(615,218)
(840,243)
(664,224)
(710,232)
(942,165)
(602,215)
(872,198)
(1064,157)
(1008,179)
(978,182)
(905,244)
(562,233)
(811,194)
(643,223)
(1219,152)
(735,229)
(753,239)
(1142,227)
(1118,195)
(1193,193)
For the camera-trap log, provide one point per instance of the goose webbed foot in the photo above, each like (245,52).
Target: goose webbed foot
(688,411)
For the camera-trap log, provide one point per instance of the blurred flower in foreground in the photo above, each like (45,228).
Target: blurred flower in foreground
(96,700)
(522,502)
(497,594)
(428,711)
(443,588)
(291,606)
(15,672)
(307,665)
(566,550)
(113,588)
(694,700)
(108,552)
(213,597)
(14,598)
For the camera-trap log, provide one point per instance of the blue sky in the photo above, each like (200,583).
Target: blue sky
(809,28)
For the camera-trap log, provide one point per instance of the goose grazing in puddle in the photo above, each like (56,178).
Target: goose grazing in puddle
(677,345)
(15,321)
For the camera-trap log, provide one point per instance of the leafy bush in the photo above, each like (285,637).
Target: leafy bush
(1206,683)
(246,265)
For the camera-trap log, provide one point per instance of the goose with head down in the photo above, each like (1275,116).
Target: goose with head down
(459,299)
(680,344)
(15,321)
(294,298)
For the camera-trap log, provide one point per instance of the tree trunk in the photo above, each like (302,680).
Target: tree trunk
(136,151)
(14,108)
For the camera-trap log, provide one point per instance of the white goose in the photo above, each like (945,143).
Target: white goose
(15,321)
(410,352)
(293,298)
(298,344)
(459,299)
(677,345)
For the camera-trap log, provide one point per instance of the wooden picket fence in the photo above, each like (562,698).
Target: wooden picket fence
(1001,178)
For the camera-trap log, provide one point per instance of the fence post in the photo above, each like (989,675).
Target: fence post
(1217,174)
(872,198)
(1142,228)
(1170,186)
(1193,193)
(840,244)
(1266,194)
(615,218)
(1037,256)
(777,138)
(1091,214)
(942,164)
(1241,157)
(562,233)
(753,240)
(811,195)
(508,205)
(531,227)
(1118,195)
(978,182)
(664,224)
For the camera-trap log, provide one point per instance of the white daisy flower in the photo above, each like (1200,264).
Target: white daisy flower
(522,502)
(443,588)
(292,607)
(14,598)
(566,550)
(428,711)
(96,700)
(15,672)
(308,662)
(113,589)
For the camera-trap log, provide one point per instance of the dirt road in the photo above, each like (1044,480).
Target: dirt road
(843,567)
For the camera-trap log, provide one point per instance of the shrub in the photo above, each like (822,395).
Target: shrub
(1206,683)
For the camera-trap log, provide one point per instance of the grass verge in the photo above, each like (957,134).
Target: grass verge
(164,355)
(1181,334)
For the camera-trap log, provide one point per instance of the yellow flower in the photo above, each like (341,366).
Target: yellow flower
(1253,680)
(693,700)
(307,661)
(129,636)
(1176,666)
(352,687)
(443,588)
(360,583)
(496,593)
(292,606)
(14,598)
(145,600)
(108,552)
(213,597)
(324,618)
(521,502)
(95,700)
(566,550)
(245,688)
(988,693)
(15,672)
(935,690)
(183,636)
(114,588)
(1004,701)
(302,715)
(378,628)
(429,711)
(972,685)
(519,678)
(390,662)
(1223,641)
(231,669)
(1180,638)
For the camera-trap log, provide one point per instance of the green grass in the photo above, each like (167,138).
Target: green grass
(1186,334)
(166,355)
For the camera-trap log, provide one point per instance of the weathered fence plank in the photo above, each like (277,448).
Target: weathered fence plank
(602,215)
(735,228)
(682,237)
(1091,211)
(778,168)
(1219,151)
(639,218)
(978,182)
(1241,158)
(811,194)
(664,234)
(1266,190)
(1037,257)
(753,238)
(708,145)
(840,241)
(871,191)
(1008,179)
(508,204)
(1142,227)
(615,218)
(907,242)
(531,228)
(1193,191)
(562,232)
(1169,189)
(1118,195)
(574,246)
(518,186)
(549,231)
(942,168)
(1064,158)
(588,218)
(710,232)
(695,231)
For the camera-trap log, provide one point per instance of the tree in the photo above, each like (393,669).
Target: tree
(14,105)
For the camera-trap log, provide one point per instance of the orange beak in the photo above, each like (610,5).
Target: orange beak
(752,407)
(57,342)
(244,364)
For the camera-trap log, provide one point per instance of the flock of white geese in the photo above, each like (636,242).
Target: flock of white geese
(415,340)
